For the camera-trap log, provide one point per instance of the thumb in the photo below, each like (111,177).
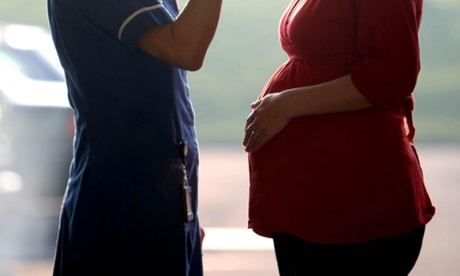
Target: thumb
(255,104)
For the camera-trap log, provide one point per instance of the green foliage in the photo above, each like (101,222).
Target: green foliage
(245,52)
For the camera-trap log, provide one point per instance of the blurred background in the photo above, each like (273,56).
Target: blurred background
(36,134)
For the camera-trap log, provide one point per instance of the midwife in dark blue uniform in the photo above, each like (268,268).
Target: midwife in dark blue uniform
(131,202)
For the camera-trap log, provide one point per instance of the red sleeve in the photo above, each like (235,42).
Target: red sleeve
(387,42)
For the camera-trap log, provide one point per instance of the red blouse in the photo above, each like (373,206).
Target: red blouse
(354,176)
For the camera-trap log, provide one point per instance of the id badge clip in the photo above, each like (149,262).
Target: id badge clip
(186,189)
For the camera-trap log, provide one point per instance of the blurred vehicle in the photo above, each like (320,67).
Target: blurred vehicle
(36,121)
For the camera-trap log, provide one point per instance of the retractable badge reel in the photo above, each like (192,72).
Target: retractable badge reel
(186,189)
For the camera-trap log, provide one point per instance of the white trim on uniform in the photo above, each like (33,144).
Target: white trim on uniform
(136,13)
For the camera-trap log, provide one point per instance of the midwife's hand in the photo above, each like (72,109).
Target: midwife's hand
(268,117)
(202,234)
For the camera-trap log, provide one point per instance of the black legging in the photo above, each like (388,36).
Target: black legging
(394,256)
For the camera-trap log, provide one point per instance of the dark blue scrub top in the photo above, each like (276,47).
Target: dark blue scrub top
(124,202)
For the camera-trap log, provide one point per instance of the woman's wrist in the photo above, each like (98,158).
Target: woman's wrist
(289,104)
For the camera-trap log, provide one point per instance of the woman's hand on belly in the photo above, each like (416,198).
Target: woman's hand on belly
(273,112)
(268,118)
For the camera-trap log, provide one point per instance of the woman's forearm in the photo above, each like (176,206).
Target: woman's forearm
(339,95)
(195,27)
(184,42)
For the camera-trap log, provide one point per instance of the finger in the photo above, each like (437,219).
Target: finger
(248,131)
(251,141)
(250,118)
(248,137)
(202,233)
(258,143)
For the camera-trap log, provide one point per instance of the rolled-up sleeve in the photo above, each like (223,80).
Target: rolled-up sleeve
(126,20)
(388,46)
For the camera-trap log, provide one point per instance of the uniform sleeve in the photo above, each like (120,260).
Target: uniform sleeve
(387,42)
(126,20)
